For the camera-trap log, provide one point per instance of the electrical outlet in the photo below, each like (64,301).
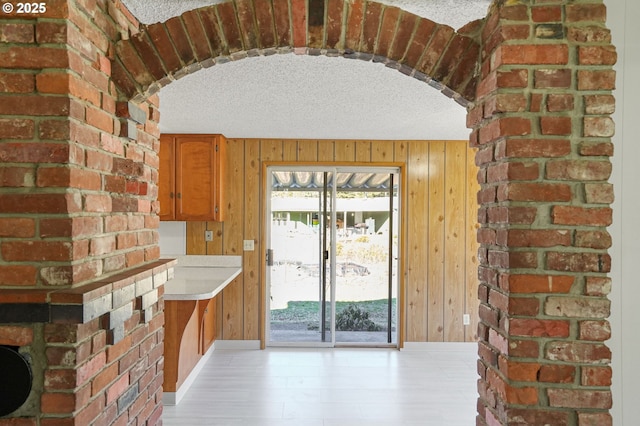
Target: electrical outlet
(248,245)
(466,319)
(208,235)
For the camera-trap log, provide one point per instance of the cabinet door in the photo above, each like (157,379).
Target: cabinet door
(208,325)
(166,178)
(195,171)
(220,178)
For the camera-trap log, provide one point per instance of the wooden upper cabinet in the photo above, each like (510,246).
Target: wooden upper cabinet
(167,179)
(191,177)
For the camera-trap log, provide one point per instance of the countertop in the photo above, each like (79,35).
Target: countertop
(201,277)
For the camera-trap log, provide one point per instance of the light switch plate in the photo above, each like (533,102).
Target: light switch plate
(248,245)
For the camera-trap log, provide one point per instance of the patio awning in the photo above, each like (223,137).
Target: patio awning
(344,181)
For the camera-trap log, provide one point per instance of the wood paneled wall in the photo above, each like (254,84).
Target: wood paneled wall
(439,222)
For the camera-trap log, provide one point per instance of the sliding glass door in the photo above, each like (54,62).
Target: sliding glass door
(332,252)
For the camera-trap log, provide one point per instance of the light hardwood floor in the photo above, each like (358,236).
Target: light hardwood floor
(331,387)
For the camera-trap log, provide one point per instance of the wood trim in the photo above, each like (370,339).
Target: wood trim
(390,164)
(400,156)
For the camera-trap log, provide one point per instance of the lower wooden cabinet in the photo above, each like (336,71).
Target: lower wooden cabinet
(190,330)
(207,324)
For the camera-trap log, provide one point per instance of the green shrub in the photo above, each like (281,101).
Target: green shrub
(352,318)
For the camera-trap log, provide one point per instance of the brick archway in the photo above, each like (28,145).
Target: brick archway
(365,30)
(536,80)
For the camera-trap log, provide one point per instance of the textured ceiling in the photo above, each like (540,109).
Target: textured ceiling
(299,96)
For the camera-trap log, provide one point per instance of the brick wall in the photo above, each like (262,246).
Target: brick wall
(542,126)
(79,164)
(96,351)
(77,202)
(80,284)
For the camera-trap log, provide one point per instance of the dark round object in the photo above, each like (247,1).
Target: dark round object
(15,380)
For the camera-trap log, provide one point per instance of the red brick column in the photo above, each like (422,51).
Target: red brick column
(80,287)
(543,130)
(79,166)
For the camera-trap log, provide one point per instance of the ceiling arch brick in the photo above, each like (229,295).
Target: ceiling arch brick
(366,30)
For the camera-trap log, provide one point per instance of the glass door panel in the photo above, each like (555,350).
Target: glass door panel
(297,270)
(366,248)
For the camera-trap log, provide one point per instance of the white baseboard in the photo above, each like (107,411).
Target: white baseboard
(238,345)
(173,398)
(438,346)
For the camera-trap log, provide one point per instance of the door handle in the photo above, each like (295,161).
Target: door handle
(326,255)
(269,257)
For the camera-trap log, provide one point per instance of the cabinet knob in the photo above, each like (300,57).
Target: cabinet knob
(179,195)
